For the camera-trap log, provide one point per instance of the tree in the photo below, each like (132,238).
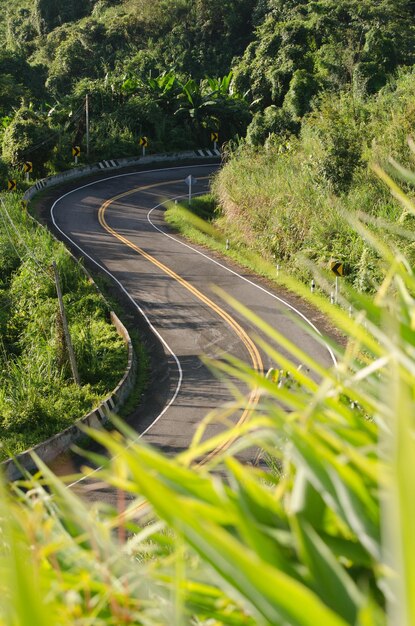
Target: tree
(48,14)
(19,81)
(298,99)
(28,138)
(331,44)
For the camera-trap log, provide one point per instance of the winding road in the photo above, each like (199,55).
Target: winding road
(118,224)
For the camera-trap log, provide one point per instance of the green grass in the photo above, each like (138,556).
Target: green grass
(198,223)
(323,536)
(38,397)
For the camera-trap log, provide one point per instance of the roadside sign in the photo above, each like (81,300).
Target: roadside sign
(214,136)
(143,141)
(27,167)
(76,151)
(337,268)
(11,185)
(190,180)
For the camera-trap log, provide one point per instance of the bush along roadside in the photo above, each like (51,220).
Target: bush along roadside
(38,396)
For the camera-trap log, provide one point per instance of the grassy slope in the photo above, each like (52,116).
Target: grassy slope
(281,201)
(37,395)
(325,538)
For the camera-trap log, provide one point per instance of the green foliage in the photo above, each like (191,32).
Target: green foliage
(323,535)
(75,57)
(38,397)
(49,14)
(273,121)
(150,68)
(298,195)
(4,173)
(298,98)
(339,125)
(302,48)
(19,81)
(28,137)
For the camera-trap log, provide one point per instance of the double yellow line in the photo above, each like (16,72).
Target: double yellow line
(239,331)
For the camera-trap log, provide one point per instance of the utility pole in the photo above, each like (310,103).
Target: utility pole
(68,341)
(87,124)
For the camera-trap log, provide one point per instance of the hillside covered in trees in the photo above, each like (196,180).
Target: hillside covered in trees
(306,96)
(174,70)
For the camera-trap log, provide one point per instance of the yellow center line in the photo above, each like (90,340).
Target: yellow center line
(239,331)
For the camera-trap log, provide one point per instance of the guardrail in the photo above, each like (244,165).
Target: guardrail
(87,170)
(59,443)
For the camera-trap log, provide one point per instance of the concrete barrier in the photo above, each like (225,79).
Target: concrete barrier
(59,443)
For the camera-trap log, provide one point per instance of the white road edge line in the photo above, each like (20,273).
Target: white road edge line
(179,367)
(228,269)
(181,167)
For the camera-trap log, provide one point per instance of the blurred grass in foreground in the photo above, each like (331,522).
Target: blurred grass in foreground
(324,538)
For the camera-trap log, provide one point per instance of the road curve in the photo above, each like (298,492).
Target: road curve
(118,224)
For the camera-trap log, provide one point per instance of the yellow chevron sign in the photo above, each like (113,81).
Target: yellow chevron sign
(214,136)
(27,167)
(143,141)
(337,268)
(76,151)
(11,185)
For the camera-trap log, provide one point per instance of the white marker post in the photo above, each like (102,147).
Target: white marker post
(190,180)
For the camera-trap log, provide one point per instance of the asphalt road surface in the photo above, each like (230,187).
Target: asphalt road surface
(118,223)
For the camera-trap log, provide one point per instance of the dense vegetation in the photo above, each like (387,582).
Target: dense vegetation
(174,70)
(144,65)
(300,196)
(38,396)
(325,536)
(324,86)
(306,95)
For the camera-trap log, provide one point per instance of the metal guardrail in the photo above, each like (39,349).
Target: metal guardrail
(114,164)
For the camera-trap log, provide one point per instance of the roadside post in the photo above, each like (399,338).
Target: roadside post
(68,341)
(337,268)
(76,152)
(87,124)
(214,136)
(143,141)
(190,181)
(27,169)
